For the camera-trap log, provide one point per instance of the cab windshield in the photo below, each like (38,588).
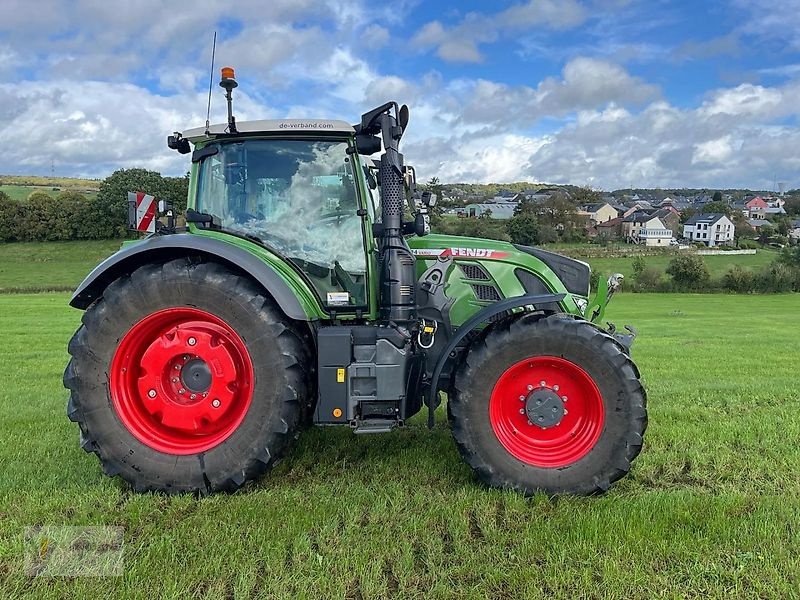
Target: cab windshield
(298,197)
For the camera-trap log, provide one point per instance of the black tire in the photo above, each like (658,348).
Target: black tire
(281,374)
(588,347)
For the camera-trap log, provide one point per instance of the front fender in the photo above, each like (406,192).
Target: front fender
(296,303)
(482,316)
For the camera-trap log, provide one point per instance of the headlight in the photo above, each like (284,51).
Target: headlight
(581,303)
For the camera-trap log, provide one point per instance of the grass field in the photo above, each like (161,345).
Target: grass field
(50,266)
(717,265)
(60,266)
(711,508)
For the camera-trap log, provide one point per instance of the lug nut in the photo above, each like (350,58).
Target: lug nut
(191,341)
(174,380)
(185,357)
(152,393)
(530,387)
(565,411)
(522,411)
(529,423)
(555,388)
(177,367)
(193,396)
(181,391)
(542,383)
(215,403)
(564,398)
(522,398)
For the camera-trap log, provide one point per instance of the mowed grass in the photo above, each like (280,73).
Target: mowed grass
(711,508)
(50,266)
(717,265)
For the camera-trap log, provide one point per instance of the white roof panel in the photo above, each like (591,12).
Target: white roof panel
(273,126)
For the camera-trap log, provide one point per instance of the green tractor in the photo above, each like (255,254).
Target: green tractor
(305,289)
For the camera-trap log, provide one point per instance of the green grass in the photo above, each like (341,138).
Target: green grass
(711,508)
(50,266)
(21,192)
(717,265)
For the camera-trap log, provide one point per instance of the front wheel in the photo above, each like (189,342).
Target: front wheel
(185,377)
(548,404)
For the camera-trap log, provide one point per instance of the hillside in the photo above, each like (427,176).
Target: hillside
(19,187)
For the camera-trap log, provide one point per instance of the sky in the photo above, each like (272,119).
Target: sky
(602,93)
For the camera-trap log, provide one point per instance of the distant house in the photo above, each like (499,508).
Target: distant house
(669,216)
(758,223)
(774,210)
(713,229)
(756,208)
(794,230)
(496,210)
(644,228)
(611,229)
(600,212)
(507,196)
(633,207)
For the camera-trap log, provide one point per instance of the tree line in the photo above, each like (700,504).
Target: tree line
(72,215)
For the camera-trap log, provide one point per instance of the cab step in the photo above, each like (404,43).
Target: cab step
(376,426)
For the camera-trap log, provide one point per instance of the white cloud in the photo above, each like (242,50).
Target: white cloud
(461,42)
(375,36)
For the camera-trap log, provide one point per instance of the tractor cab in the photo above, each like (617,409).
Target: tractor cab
(297,195)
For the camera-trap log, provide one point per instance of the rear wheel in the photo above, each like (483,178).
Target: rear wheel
(185,377)
(551,404)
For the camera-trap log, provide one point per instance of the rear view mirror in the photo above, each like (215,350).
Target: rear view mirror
(367,144)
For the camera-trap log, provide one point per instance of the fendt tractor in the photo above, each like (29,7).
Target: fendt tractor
(305,289)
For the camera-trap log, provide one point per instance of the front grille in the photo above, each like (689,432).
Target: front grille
(486,293)
(472,271)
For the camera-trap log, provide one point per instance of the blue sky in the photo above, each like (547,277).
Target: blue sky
(606,93)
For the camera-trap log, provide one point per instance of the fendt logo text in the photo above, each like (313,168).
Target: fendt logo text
(475,253)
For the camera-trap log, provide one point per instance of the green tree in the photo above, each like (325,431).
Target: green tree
(9,218)
(638,265)
(743,231)
(687,213)
(548,234)
(582,196)
(688,271)
(765,232)
(791,256)
(717,197)
(523,229)
(718,207)
(111,209)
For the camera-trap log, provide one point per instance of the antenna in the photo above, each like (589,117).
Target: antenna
(211,83)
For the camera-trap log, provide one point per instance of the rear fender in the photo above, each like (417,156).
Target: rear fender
(296,301)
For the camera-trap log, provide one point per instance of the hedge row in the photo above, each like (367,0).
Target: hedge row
(73,216)
(782,275)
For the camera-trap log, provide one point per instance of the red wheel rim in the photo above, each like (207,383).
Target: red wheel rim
(563,443)
(181,381)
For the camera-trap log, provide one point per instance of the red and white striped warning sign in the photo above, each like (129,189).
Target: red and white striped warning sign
(145,211)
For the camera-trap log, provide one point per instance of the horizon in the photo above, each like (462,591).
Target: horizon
(609,94)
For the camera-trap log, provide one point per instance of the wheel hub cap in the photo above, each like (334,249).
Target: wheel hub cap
(544,408)
(196,376)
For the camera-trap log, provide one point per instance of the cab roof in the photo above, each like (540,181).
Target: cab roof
(198,134)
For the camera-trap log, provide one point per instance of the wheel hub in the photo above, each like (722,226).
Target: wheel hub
(196,376)
(546,411)
(544,408)
(181,380)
